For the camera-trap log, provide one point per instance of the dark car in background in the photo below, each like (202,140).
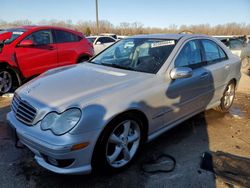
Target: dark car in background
(28,51)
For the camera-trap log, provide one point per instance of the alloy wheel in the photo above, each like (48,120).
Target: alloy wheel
(5,81)
(229,95)
(123,143)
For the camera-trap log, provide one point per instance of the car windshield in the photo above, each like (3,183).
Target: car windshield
(91,39)
(16,32)
(137,54)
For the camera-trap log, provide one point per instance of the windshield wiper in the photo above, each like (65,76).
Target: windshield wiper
(117,66)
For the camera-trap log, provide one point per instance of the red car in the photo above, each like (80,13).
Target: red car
(28,51)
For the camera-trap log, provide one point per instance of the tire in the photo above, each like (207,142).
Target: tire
(245,65)
(7,80)
(227,98)
(119,144)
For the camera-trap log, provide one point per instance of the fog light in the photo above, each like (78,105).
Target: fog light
(52,161)
(79,146)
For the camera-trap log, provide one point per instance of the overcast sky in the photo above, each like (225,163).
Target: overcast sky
(153,13)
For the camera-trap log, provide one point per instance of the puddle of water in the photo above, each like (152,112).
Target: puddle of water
(236,112)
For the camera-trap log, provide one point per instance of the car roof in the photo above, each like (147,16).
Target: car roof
(95,36)
(31,27)
(168,36)
(92,36)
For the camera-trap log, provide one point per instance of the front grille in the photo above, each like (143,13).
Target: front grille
(23,110)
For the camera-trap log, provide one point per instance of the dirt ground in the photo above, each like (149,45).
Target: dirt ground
(209,131)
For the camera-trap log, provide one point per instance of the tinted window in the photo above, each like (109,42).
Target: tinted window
(105,40)
(189,56)
(41,37)
(63,36)
(213,52)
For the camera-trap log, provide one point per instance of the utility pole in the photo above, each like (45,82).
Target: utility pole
(97,20)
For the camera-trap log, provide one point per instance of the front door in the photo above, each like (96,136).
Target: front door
(187,96)
(40,57)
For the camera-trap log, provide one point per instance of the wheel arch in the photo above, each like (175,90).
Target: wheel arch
(82,56)
(234,80)
(16,72)
(137,113)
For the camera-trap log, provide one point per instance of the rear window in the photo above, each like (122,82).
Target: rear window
(104,40)
(64,36)
(91,39)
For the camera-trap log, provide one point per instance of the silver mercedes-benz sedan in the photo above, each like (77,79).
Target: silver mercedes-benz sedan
(99,113)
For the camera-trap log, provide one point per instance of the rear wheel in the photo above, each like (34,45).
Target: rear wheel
(6,81)
(227,98)
(119,144)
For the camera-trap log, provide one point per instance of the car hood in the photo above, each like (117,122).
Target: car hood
(72,85)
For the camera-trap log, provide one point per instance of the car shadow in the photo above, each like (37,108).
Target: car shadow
(185,143)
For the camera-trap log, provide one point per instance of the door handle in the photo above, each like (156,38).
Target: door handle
(204,75)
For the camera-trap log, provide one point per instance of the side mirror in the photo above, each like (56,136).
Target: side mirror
(25,43)
(98,43)
(180,72)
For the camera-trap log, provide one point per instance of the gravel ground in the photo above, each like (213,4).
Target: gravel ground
(208,131)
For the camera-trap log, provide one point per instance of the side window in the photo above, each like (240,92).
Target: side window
(104,40)
(213,53)
(100,39)
(190,55)
(64,36)
(107,40)
(41,37)
(236,44)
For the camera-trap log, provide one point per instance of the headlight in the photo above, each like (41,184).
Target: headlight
(61,123)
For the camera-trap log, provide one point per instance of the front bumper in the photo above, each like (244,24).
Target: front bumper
(51,151)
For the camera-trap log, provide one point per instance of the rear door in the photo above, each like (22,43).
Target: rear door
(217,63)
(68,46)
(34,60)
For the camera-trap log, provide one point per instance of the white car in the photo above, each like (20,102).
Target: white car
(100,42)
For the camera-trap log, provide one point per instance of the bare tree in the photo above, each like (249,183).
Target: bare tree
(125,28)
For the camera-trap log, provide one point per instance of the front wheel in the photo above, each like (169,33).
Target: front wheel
(120,144)
(227,98)
(6,81)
